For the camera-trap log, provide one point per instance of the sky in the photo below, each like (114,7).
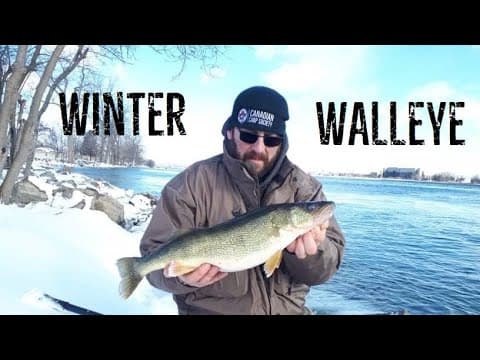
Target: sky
(307,75)
(72,259)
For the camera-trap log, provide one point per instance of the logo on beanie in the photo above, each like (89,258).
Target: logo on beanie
(260,117)
(242,116)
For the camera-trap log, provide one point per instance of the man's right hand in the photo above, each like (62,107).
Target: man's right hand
(205,274)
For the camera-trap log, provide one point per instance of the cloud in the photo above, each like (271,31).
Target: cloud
(320,69)
(310,74)
(433,90)
(307,151)
(439,91)
(431,158)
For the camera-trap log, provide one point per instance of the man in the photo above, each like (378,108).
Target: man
(252,172)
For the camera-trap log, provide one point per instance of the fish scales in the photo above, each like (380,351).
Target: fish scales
(238,244)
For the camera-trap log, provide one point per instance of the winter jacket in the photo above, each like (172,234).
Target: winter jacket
(215,190)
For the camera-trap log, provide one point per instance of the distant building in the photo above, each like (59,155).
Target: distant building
(402,173)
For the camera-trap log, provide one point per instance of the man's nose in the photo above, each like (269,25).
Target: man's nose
(259,145)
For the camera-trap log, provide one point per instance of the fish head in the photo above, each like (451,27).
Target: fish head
(311,213)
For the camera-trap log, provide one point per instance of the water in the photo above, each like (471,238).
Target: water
(411,246)
(140,180)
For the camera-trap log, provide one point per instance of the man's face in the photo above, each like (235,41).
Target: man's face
(258,157)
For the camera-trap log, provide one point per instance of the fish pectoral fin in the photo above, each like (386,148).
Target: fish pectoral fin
(272,263)
(177,268)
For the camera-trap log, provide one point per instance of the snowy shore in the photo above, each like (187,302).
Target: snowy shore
(63,248)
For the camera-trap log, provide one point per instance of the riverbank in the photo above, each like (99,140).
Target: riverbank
(428,248)
(55,185)
(63,247)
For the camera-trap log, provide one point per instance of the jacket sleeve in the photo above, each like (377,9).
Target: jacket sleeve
(175,210)
(318,268)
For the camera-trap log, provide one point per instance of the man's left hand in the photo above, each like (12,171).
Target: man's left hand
(307,244)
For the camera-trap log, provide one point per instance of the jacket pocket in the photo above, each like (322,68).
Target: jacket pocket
(233,286)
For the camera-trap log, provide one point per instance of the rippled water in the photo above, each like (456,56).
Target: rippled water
(411,246)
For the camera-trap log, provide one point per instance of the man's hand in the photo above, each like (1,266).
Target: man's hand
(203,275)
(307,244)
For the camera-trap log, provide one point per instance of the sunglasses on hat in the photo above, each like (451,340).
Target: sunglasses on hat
(251,138)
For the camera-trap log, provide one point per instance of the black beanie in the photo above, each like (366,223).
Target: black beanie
(258,108)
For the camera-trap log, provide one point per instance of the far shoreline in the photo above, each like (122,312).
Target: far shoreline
(178,168)
(395,179)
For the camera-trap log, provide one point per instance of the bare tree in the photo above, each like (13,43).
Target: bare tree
(17,62)
(59,144)
(27,136)
(18,71)
(70,140)
(89,145)
(5,67)
(14,80)
(207,55)
(131,150)
(80,54)
(49,137)
(107,143)
(16,127)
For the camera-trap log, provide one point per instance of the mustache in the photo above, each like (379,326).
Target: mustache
(253,155)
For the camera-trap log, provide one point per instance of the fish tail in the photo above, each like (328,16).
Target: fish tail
(127,267)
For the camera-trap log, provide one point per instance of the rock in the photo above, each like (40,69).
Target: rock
(110,206)
(153,199)
(80,205)
(69,182)
(49,175)
(25,192)
(67,192)
(90,192)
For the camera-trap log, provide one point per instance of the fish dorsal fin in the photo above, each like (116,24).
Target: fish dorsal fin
(177,268)
(272,263)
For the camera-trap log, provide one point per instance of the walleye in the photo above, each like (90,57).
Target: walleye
(254,238)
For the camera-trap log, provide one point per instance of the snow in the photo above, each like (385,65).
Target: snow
(70,254)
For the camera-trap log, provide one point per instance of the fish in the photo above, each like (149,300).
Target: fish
(246,241)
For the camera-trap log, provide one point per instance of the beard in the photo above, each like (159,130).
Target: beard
(251,155)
